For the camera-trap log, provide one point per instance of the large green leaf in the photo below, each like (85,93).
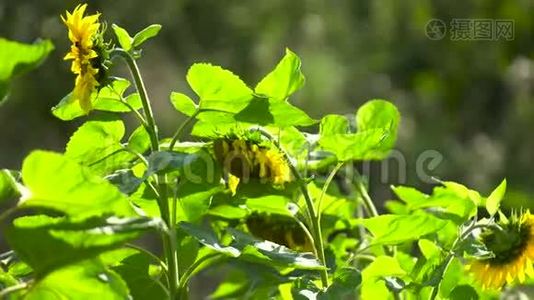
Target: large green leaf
(18,58)
(88,279)
(67,241)
(108,98)
(217,88)
(284,80)
(377,122)
(97,145)
(58,183)
(396,229)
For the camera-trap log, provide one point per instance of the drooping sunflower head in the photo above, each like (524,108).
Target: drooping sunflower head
(245,157)
(512,244)
(87,53)
(279,229)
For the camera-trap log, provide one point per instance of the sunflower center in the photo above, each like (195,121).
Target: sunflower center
(507,243)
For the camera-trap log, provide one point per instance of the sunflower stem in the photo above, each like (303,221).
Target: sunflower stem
(178,134)
(169,240)
(314,217)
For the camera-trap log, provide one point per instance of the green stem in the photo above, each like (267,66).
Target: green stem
(314,217)
(190,271)
(325,187)
(180,129)
(169,243)
(152,255)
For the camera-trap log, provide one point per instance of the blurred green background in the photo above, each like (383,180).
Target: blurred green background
(471,101)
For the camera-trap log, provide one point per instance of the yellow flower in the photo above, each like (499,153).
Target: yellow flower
(244,159)
(82,34)
(512,243)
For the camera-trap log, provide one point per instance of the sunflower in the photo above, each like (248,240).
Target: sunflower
(512,243)
(279,229)
(83,33)
(245,158)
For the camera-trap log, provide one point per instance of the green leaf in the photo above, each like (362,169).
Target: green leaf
(8,186)
(345,282)
(183,104)
(135,270)
(365,145)
(333,124)
(464,292)
(228,212)
(208,238)
(284,80)
(266,112)
(18,58)
(97,145)
(139,140)
(267,252)
(218,89)
(122,35)
(89,279)
(377,122)
(109,98)
(373,284)
(145,34)
(125,180)
(396,229)
(494,200)
(58,183)
(67,241)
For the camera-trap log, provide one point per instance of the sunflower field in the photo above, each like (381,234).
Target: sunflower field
(248,197)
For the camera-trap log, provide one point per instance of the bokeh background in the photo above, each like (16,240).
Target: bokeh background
(471,101)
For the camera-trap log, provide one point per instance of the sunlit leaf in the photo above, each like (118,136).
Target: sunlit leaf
(97,145)
(88,278)
(373,283)
(396,229)
(377,122)
(183,104)
(109,98)
(284,80)
(217,88)
(58,183)
(145,34)
(18,58)
(123,37)
(333,124)
(494,199)
(139,140)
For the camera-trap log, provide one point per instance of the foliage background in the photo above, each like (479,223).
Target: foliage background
(472,101)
